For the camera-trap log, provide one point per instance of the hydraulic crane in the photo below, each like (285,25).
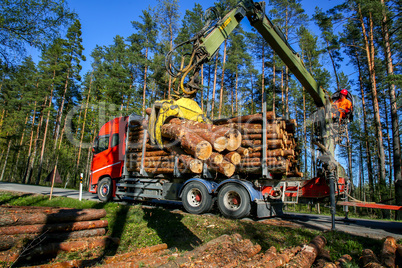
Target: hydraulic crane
(206,43)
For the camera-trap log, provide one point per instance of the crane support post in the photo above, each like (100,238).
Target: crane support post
(277,41)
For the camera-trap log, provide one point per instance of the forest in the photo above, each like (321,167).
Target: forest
(51,111)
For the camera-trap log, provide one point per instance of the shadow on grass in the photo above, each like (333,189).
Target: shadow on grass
(170,229)
(5,201)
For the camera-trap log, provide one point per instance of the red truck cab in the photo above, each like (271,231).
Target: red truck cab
(108,160)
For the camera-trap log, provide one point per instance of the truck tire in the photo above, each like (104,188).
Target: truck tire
(234,201)
(105,189)
(196,199)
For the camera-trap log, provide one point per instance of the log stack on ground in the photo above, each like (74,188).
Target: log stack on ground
(51,229)
(226,146)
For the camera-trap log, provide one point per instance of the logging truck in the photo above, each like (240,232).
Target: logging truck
(246,164)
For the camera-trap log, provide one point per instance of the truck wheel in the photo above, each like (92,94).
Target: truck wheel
(105,189)
(196,199)
(234,201)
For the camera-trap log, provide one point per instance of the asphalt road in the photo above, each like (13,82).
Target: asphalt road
(361,227)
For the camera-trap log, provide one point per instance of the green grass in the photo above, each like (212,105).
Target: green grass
(138,227)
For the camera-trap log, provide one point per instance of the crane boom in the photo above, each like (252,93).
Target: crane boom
(255,13)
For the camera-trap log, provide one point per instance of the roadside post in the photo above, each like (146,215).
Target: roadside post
(80,195)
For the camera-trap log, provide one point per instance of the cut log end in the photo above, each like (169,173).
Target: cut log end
(196,166)
(234,139)
(220,144)
(233,157)
(203,150)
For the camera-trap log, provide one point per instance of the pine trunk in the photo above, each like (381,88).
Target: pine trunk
(273,85)
(19,150)
(236,89)
(262,74)
(214,86)
(45,133)
(145,83)
(222,80)
(83,126)
(60,112)
(365,125)
(394,111)
(5,160)
(369,45)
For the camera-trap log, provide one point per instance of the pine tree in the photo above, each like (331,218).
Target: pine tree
(30,22)
(142,44)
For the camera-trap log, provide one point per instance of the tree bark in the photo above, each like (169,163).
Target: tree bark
(42,218)
(222,80)
(369,44)
(51,228)
(214,86)
(60,112)
(45,133)
(394,111)
(5,160)
(306,257)
(365,128)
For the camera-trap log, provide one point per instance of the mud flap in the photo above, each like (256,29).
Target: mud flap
(267,209)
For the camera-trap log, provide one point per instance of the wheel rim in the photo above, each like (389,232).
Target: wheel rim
(194,197)
(104,189)
(232,200)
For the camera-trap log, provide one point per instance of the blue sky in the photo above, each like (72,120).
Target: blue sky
(102,20)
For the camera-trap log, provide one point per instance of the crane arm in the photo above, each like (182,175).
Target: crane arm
(255,12)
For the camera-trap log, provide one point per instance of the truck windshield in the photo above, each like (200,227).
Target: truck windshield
(102,143)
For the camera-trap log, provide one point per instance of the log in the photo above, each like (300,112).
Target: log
(245,118)
(295,174)
(270,136)
(258,160)
(343,260)
(271,144)
(233,158)
(233,137)
(127,256)
(215,159)
(248,129)
(288,152)
(54,227)
(206,131)
(191,142)
(193,166)
(224,168)
(369,259)
(388,252)
(34,209)
(282,258)
(268,255)
(67,215)
(191,163)
(324,260)
(8,241)
(133,147)
(306,257)
(154,153)
(71,246)
(243,151)
(270,153)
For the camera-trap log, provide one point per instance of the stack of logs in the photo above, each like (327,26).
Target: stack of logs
(226,146)
(28,232)
(282,150)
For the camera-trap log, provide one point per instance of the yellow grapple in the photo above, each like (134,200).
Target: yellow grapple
(164,109)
